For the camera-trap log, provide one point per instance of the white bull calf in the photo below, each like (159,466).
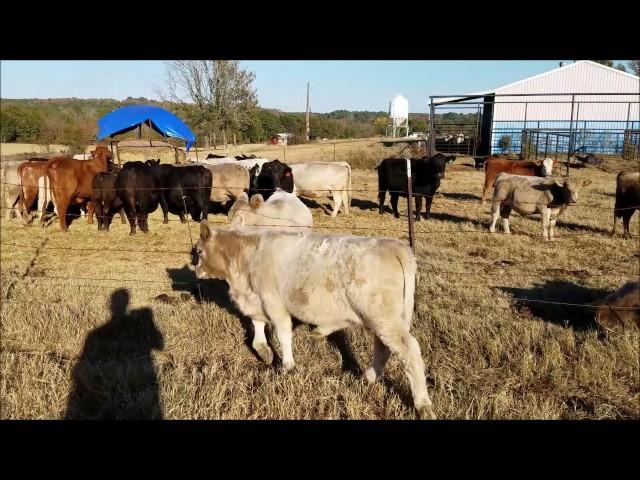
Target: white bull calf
(329,281)
(282,211)
(322,179)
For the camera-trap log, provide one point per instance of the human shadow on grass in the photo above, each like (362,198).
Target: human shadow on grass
(217,291)
(561,291)
(114,377)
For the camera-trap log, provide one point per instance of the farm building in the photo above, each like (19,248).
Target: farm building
(582,105)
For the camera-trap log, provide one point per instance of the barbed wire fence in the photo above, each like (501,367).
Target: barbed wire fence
(99,282)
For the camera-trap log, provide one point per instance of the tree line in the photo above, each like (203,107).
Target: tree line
(216,98)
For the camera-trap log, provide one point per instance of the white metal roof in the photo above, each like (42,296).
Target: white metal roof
(498,90)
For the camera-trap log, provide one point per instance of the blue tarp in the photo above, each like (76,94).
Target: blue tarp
(127,118)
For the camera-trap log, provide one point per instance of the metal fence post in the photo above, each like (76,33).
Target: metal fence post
(570,146)
(409,203)
(432,129)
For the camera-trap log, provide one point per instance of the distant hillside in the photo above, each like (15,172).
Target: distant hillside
(72,121)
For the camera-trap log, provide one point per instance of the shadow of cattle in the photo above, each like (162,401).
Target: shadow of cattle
(217,291)
(368,205)
(579,228)
(447,217)
(459,196)
(561,291)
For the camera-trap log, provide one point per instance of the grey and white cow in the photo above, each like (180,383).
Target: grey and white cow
(329,281)
(529,195)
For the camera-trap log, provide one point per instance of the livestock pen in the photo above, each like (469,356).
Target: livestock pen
(494,319)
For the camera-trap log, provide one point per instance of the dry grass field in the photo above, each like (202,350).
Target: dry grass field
(82,324)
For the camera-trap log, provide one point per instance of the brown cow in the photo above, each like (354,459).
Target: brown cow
(70,181)
(30,173)
(494,165)
(621,308)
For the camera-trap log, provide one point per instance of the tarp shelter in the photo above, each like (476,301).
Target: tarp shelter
(128,118)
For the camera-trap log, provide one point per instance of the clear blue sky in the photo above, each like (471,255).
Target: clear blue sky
(350,85)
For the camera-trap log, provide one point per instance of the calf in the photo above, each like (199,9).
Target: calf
(321,179)
(627,199)
(186,189)
(621,308)
(273,175)
(282,211)
(493,166)
(426,174)
(70,181)
(29,174)
(11,191)
(106,199)
(329,281)
(139,188)
(529,195)
(229,181)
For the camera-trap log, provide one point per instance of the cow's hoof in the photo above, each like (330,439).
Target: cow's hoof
(426,413)
(370,375)
(131,234)
(265,353)
(164,222)
(397,215)
(288,366)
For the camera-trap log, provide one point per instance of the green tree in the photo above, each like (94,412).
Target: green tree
(607,63)
(380,123)
(8,131)
(634,66)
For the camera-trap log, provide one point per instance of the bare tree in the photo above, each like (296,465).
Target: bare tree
(634,65)
(219,93)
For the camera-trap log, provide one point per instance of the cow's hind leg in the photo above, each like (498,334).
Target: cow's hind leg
(380,356)
(495,213)
(345,201)
(505,212)
(252,307)
(381,195)
(402,343)
(282,322)
(337,201)
(394,204)
(626,220)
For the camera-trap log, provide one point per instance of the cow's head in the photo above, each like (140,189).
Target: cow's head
(439,163)
(547,167)
(208,262)
(235,212)
(565,190)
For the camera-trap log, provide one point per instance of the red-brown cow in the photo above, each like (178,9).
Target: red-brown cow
(495,165)
(70,181)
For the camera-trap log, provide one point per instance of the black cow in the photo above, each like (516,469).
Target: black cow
(426,174)
(245,157)
(212,155)
(106,199)
(187,189)
(274,174)
(627,199)
(139,189)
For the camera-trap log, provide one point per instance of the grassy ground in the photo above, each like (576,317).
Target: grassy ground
(488,355)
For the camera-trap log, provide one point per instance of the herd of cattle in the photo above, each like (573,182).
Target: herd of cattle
(138,188)
(329,281)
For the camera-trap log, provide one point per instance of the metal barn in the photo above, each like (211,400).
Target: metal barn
(580,106)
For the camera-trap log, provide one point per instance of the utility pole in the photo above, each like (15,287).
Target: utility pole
(307,135)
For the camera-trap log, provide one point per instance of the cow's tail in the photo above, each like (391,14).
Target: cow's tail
(349,193)
(408,263)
